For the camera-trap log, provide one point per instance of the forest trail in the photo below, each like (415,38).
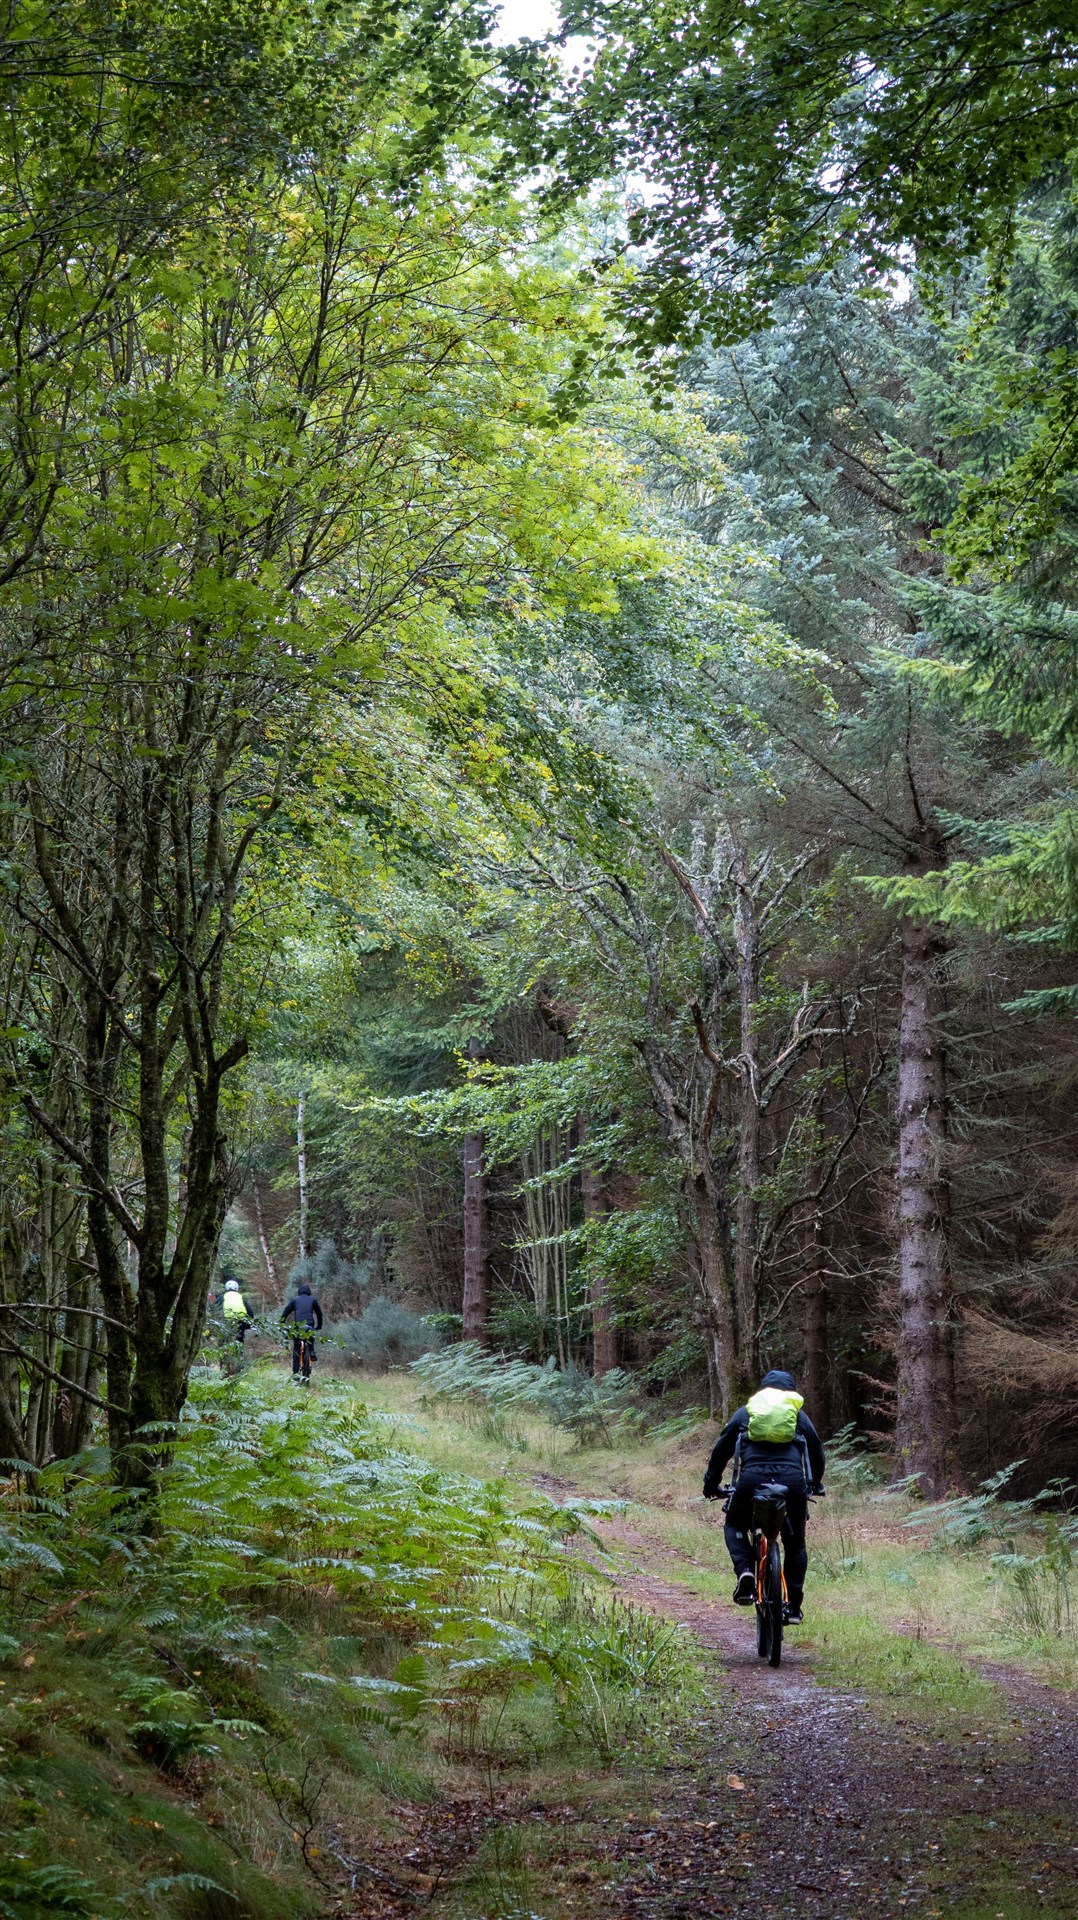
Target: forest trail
(833,1811)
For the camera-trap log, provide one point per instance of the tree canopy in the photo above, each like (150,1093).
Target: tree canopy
(772,136)
(592,864)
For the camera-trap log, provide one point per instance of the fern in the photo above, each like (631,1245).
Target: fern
(29,1892)
(170,1883)
(966,1520)
(595,1410)
(269,1509)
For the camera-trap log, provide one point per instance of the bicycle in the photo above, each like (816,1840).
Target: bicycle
(303,1344)
(771,1599)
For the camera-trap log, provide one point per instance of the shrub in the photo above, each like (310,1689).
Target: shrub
(1039,1586)
(341,1285)
(517,1327)
(385,1335)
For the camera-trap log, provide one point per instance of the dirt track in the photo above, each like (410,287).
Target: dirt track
(839,1816)
(802,1803)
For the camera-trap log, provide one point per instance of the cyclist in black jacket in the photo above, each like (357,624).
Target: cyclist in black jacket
(797,1463)
(303,1309)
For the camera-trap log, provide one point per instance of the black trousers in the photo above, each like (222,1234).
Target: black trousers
(297,1350)
(739,1523)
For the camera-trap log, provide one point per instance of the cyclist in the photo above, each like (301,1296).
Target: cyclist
(236,1312)
(770,1438)
(303,1309)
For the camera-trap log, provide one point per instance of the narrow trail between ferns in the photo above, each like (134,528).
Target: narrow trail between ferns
(787,1798)
(835,1813)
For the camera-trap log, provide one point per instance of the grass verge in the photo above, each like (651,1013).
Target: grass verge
(987,1578)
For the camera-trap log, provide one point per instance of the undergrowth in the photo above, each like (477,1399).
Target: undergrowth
(981,1573)
(604,1410)
(213,1709)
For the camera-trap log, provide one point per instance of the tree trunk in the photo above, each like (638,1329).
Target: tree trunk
(717,1282)
(817,1328)
(604,1337)
(705,1185)
(79,1364)
(746,1214)
(545,1249)
(301,1163)
(161,1336)
(714,1388)
(925,1359)
(267,1257)
(11,1256)
(476,1304)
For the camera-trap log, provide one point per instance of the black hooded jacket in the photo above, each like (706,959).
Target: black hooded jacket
(303,1308)
(776,1457)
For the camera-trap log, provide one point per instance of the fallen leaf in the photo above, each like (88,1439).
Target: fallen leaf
(733,1781)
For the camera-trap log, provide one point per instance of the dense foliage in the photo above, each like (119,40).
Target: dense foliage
(321,1618)
(538,741)
(538,737)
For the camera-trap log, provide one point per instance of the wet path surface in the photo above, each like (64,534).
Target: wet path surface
(837,1813)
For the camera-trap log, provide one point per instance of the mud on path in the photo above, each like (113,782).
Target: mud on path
(830,1811)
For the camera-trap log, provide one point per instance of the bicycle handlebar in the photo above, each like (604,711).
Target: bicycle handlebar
(723,1493)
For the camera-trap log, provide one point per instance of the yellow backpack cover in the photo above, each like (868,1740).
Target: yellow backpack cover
(773,1414)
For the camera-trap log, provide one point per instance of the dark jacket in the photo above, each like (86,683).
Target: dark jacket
(765,1457)
(303,1308)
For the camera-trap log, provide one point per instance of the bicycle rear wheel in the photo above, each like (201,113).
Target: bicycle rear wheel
(773,1604)
(763,1637)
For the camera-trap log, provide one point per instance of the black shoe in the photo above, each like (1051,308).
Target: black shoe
(792,1617)
(745,1590)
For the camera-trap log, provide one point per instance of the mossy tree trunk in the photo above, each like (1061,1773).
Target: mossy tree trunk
(143,960)
(594,1200)
(475,1309)
(817,1330)
(925,1335)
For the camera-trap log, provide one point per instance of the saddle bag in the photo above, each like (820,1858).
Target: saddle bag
(769,1507)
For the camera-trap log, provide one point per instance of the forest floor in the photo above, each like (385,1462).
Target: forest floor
(894,1764)
(838,1808)
(197,1728)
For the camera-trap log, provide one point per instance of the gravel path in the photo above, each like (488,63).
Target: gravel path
(788,1800)
(835,1815)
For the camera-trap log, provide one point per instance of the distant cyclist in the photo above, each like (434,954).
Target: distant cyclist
(234,1308)
(306,1314)
(770,1438)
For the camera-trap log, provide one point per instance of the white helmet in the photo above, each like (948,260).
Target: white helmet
(232,1286)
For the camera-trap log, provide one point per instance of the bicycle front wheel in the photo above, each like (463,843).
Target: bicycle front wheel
(773,1604)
